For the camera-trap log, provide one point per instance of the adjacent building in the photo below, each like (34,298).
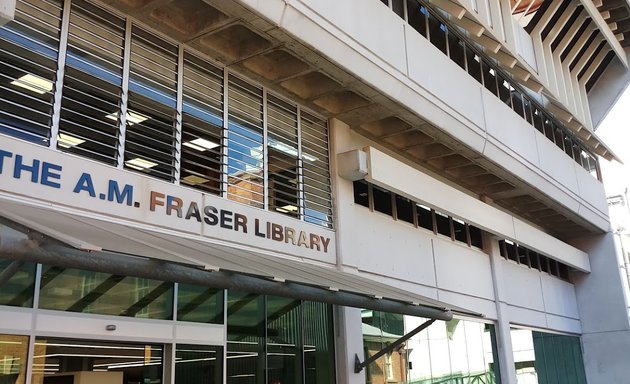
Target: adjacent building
(309,191)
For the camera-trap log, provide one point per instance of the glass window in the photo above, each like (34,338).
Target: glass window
(282,157)
(316,172)
(198,364)
(398,7)
(152,106)
(473,64)
(547,358)
(13,359)
(361,197)
(437,33)
(382,200)
(319,351)
(28,56)
(66,361)
(443,224)
(246,332)
(202,122)
(457,50)
(475,236)
(489,78)
(199,304)
(404,209)
(417,17)
(284,338)
(425,217)
(245,143)
(18,290)
(379,330)
(92,84)
(459,230)
(76,290)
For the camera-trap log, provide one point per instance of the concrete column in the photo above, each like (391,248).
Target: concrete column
(602,306)
(7,11)
(504,339)
(348,342)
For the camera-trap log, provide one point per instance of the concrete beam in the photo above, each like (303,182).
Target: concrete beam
(7,11)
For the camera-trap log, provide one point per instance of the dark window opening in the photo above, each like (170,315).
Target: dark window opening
(382,200)
(425,217)
(475,236)
(361,193)
(416,17)
(459,231)
(404,209)
(437,33)
(443,224)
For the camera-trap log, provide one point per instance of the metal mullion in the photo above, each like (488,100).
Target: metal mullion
(61,64)
(178,119)
(225,140)
(124,100)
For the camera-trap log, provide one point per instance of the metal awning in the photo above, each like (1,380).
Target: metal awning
(72,239)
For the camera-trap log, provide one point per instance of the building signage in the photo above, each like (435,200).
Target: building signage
(58,178)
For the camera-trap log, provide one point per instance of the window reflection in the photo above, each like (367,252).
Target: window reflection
(199,304)
(75,290)
(13,359)
(18,290)
(64,361)
(198,364)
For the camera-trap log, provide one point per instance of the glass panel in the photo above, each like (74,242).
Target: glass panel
(489,78)
(245,143)
(284,338)
(473,64)
(425,217)
(443,224)
(437,33)
(459,228)
(404,209)
(199,304)
(380,329)
(475,236)
(28,56)
(245,338)
(150,137)
(64,361)
(361,193)
(416,15)
(457,351)
(457,50)
(398,6)
(315,162)
(382,200)
(92,84)
(547,358)
(18,290)
(198,364)
(75,290)
(282,156)
(202,122)
(319,354)
(13,359)
(505,89)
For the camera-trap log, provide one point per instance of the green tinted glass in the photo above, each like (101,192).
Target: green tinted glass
(198,364)
(17,282)
(75,290)
(199,304)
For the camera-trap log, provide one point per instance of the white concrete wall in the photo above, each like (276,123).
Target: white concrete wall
(7,11)
(397,253)
(388,55)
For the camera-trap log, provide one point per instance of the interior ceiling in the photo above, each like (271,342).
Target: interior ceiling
(242,40)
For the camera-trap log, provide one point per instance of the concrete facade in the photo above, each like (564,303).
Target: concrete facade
(405,115)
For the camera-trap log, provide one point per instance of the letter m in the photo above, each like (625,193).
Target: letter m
(114,192)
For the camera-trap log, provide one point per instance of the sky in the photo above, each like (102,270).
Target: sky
(615,133)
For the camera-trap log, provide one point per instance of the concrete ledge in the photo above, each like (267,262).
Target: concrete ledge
(7,11)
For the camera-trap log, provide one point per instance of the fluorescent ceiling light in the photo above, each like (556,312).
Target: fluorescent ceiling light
(282,147)
(201,144)
(67,141)
(287,208)
(140,164)
(132,117)
(34,83)
(194,179)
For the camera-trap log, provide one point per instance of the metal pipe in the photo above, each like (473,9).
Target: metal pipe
(119,264)
(9,271)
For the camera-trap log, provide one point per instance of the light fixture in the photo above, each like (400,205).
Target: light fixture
(140,164)
(34,83)
(194,180)
(132,117)
(287,209)
(200,144)
(282,147)
(67,141)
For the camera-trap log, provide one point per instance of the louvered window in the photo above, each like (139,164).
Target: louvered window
(202,122)
(317,191)
(28,56)
(152,108)
(90,107)
(245,143)
(282,156)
